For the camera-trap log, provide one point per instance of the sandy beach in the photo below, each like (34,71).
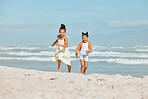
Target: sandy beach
(18,83)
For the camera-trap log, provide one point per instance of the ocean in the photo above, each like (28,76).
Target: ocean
(124,60)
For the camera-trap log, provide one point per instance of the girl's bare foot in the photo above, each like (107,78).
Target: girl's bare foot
(84,73)
(58,70)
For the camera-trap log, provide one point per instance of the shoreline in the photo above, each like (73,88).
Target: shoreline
(33,84)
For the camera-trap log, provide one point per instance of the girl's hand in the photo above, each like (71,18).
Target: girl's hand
(52,44)
(76,55)
(57,44)
(87,51)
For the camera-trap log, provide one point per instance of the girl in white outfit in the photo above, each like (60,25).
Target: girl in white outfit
(62,53)
(85,48)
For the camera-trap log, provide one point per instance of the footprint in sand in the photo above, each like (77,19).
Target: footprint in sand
(53,78)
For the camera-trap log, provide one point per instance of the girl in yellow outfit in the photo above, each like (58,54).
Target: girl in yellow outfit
(62,53)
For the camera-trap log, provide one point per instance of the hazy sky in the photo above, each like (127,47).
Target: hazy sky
(109,22)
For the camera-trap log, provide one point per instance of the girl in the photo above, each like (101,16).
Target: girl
(84,47)
(62,53)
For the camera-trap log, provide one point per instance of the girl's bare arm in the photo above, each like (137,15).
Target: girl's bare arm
(78,48)
(54,43)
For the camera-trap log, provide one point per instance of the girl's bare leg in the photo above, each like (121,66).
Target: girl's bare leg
(59,65)
(85,66)
(69,68)
(82,65)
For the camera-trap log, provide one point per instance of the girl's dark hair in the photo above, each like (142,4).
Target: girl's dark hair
(85,34)
(62,27)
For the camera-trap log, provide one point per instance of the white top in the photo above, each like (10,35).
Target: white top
(84,49)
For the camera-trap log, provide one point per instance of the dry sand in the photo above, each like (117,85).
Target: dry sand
(18,83)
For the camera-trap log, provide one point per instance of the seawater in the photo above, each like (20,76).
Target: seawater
(124,60)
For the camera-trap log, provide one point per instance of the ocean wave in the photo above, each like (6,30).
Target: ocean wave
(27,58)
(26,53)
(118,54)
(72,53)
(142,50)
(31,58)
(109,60)
(18,47)
(32,47)
(23,53)
(123,61)
(140,46)
(70,47)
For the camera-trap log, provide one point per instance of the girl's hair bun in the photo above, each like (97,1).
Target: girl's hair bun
(62,27)
(85,34)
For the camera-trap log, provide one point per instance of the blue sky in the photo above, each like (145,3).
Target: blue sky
(109,22)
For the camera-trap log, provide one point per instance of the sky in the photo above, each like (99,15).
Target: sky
(109,22)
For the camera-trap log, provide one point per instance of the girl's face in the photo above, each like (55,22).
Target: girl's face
(84,38)
(62,32)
